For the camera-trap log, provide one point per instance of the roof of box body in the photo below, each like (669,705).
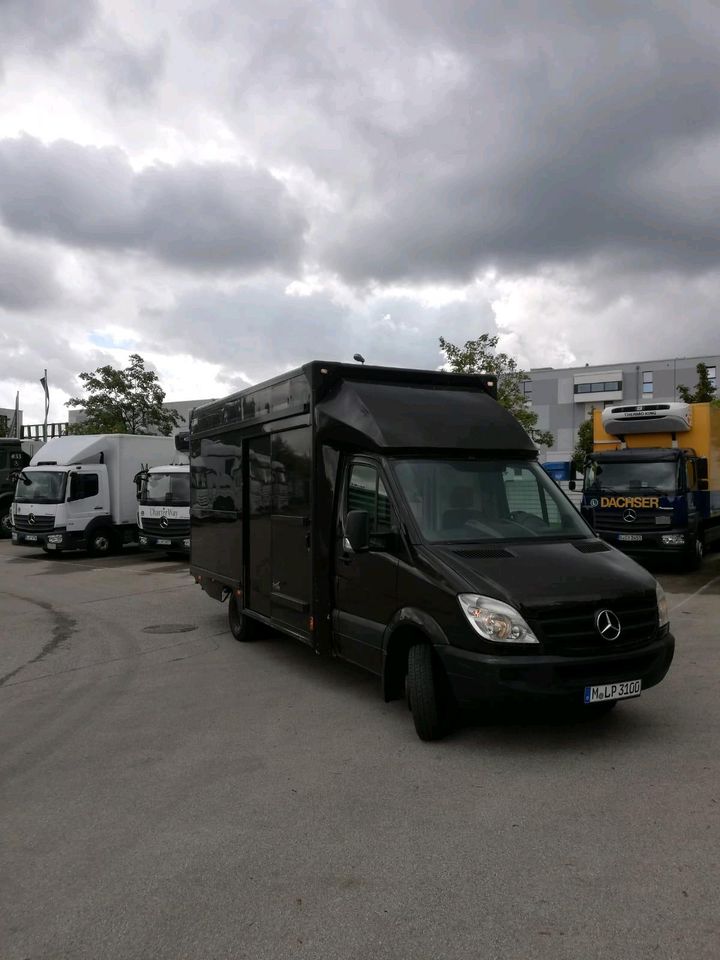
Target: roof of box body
(391,408)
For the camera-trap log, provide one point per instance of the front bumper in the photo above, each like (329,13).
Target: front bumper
(477,677)
(59,539)
(150,542)
(650,543)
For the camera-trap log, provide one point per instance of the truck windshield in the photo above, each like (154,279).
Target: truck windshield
(632,476)
(166,488)
(41,486)
(486,500)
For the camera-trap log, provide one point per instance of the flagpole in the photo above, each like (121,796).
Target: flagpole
(47,406)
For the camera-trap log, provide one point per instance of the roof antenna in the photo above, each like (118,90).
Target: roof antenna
(359,358)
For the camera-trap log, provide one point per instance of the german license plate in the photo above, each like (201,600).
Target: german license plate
(630,536)
(164,543)
(31,536)
(613,691)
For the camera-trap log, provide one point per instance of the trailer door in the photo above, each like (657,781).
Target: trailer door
(258,488)
(290,468)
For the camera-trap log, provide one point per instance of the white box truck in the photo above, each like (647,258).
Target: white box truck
(79,492)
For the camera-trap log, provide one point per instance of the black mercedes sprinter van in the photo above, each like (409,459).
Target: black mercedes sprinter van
(399,519)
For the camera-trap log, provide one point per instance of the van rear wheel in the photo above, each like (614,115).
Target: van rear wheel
(427,694)
(243,628)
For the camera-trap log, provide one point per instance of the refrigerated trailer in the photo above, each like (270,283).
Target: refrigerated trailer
(652,483)
(399,519)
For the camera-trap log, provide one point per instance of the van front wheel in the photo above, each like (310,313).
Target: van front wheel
(426,694)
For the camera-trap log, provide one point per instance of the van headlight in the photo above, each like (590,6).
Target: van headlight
(663,614)
(495,620)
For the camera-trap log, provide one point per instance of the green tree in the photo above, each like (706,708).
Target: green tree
(481,356)
(4,425)
(704,391)
(584,444)
(123,401)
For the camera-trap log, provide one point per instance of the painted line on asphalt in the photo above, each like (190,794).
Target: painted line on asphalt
(693,595)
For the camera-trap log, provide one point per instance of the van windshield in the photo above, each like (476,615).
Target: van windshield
(486,500)
(41,486)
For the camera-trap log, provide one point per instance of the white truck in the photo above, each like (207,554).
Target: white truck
(164,507)
(79,492)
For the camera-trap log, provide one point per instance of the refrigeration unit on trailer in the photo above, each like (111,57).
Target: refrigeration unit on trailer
(78,492)
(400,520)
(652,483)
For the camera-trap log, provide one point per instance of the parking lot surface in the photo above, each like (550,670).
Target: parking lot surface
(170,793)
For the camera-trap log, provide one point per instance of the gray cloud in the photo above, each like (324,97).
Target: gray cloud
(27,278)
(205,217)
(42,27)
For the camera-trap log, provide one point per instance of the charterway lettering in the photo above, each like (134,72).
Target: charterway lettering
(635,502)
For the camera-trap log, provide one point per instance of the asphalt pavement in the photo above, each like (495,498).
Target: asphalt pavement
(166,792)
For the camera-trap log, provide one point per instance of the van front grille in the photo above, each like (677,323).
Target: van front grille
(571,630)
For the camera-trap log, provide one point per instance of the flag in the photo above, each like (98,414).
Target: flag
(44,382)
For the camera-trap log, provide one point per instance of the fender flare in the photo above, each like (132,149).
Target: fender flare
(393,656)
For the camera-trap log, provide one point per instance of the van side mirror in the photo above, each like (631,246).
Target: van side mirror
(357,530)
(182,441)
(572,485)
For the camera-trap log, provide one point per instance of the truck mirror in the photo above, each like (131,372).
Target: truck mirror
(182,441)
(572,485)
(703,483)
(357,530)
(702,468)
(72,493)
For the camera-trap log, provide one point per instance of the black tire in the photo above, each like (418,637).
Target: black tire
(100,542)
(244,629)
(5,528)
(696,552)
(427,695)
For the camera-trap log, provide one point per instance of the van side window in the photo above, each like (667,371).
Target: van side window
(366,491)
(84,485)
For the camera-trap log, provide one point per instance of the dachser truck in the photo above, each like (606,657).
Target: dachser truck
(400,520)
(163,513)
(79,492)
(14,455)
(652,484)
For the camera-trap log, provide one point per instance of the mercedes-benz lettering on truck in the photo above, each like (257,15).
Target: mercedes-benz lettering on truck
(79,492)
(652,483)
(400,520)
(164,503)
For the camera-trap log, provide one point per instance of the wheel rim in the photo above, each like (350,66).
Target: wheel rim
(102,544)
(5,522)
(699,548)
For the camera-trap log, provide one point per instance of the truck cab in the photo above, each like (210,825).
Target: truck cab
(649,485)
(164,508)
(14,455)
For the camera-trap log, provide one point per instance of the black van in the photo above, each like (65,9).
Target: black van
(399,519)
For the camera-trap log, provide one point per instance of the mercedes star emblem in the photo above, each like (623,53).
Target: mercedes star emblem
(608,625)
(164,522)
(629,516)
(31,518)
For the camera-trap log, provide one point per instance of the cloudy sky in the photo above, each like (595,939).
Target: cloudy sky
(231,188)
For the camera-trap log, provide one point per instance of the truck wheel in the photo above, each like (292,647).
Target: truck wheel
(244,629)
(427,695)
(5,528)
(696,551)
(100,542)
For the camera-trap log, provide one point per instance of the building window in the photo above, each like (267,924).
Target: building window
(647,382)
(602,386)
(712,375)
(527,389)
